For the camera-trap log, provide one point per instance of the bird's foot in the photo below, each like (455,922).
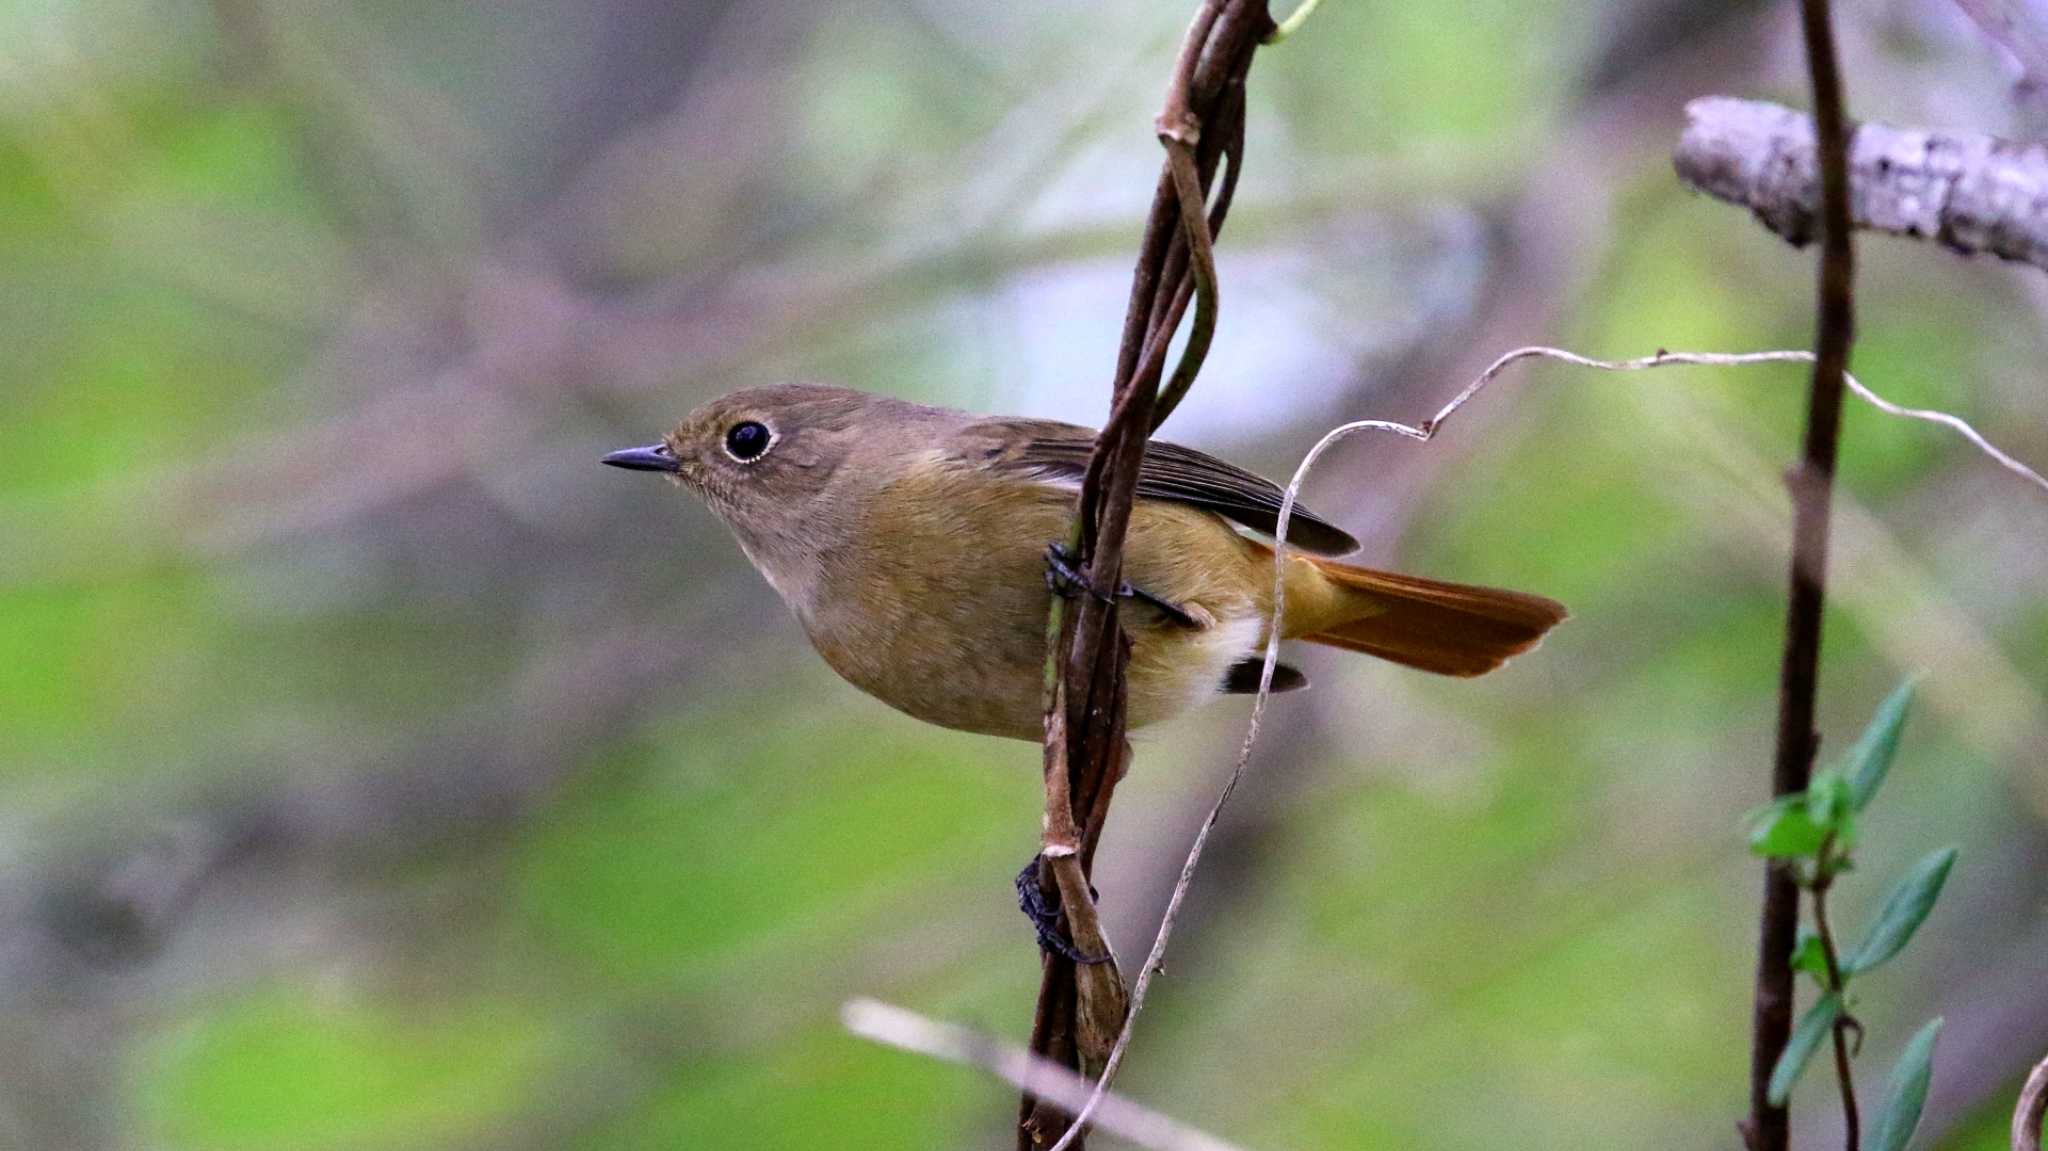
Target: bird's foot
(1066,581)
(1045,914)
(1062,578)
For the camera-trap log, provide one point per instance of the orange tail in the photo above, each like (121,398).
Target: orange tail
(1447,628)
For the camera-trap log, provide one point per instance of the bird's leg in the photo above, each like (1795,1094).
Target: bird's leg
(1044,912)
(1065,580)
(1062,578)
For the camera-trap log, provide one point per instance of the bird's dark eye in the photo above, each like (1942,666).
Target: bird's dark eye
(746,440)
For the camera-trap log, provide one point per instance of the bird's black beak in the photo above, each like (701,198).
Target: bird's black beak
(652,458)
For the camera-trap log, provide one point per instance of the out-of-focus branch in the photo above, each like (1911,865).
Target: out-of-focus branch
(2026,1114)
(909,1031)
(1972,194)
(2020,31)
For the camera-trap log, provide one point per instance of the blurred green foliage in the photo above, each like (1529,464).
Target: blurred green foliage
(279,1067)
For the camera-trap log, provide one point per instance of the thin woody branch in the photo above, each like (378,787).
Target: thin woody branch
(1811,481)
(1082,1007)
(1852,1122)
(1972,194)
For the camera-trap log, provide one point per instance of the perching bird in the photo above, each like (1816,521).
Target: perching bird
(912,544)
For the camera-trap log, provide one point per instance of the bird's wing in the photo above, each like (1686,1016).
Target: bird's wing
(1058,452)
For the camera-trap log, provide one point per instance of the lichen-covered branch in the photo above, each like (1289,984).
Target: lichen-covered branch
(1972,194)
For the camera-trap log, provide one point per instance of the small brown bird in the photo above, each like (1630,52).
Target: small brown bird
(912,544)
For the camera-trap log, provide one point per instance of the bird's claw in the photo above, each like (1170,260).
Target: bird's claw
(1066,581)
(1043,910)
(1062,578)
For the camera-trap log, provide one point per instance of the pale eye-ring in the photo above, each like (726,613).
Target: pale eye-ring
(747,440)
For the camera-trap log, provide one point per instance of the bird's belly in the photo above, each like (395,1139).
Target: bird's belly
(959,641)
(958,663)
(990,680)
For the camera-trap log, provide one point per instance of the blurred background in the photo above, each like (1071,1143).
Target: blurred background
(380,772)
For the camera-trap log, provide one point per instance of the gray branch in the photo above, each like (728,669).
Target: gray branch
(1970,193)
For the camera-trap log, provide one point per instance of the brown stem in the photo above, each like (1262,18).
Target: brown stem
(1812,486)
(1202,261)
(1079,1012)
(1852,1124)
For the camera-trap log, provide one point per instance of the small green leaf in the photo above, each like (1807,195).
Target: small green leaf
(1868,761)
(1908,1091)
(1809,956)
(1827,799)
(1831,806)
(1785,830)
(1807,1036)
(1905,909)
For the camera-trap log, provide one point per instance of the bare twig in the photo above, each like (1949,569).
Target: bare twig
(1972,194)
(1812,485)
(897,1027)
(1180,159)
(2026,1114)
(1081,1008)
(1851,1121)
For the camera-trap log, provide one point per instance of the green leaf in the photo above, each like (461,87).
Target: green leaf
(1827,799)
(1868,761)
(1809,956)
(1831,806)
(1908,1091)
(1785,830)
(1807,1036)
(1905,909)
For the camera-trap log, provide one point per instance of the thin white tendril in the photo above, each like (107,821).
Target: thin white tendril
(1423,433)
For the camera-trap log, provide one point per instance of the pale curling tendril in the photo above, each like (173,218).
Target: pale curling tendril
(1422,433)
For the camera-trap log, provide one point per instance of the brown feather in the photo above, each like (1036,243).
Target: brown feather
(1447,628)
